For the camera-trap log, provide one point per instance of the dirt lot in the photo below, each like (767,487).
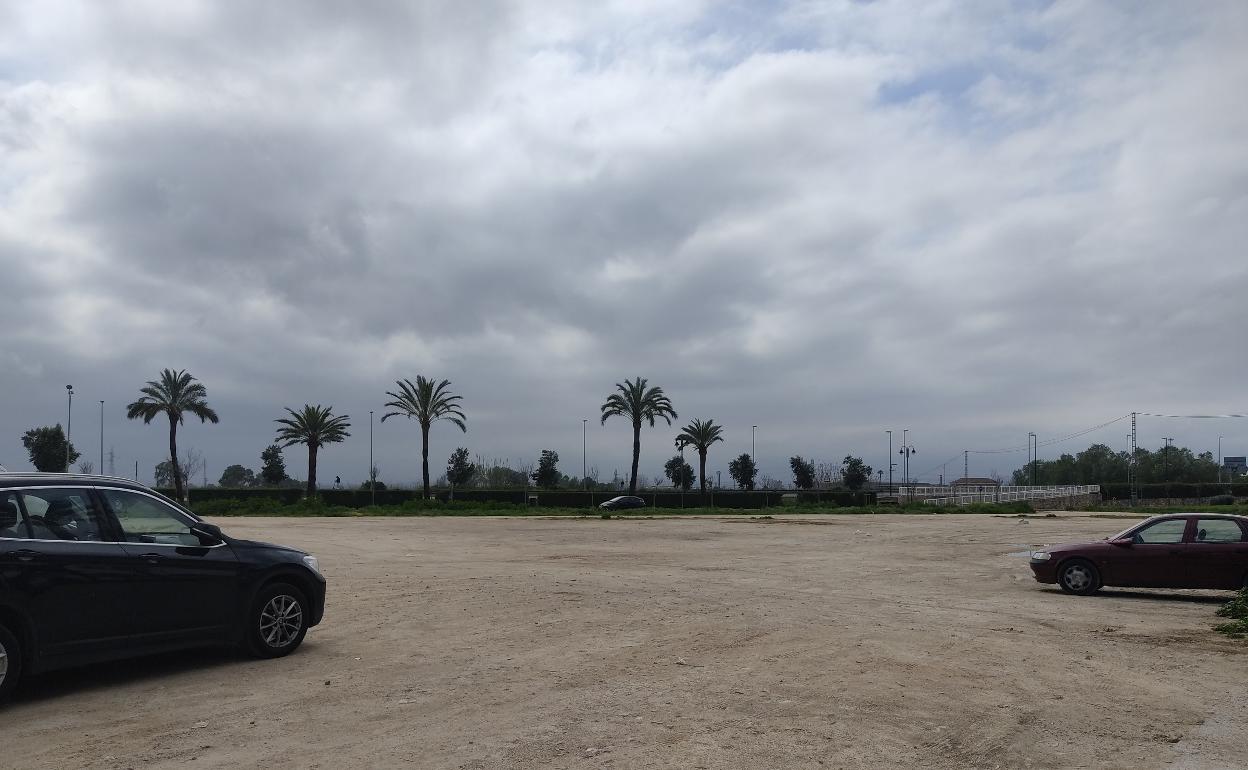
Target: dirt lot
(838,642)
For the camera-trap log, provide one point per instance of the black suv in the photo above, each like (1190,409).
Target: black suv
(94,568)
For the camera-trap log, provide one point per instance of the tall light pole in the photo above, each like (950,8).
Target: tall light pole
(584,445)
(101,437)
(1219,459)
(891,464)
(1033,456)
(753,459)
(69,422)
(681,476)
(372,477)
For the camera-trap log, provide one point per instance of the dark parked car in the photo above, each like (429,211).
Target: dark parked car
(95,568)
(622,502)
(1186,550)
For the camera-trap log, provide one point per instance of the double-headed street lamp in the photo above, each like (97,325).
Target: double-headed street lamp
(69,422)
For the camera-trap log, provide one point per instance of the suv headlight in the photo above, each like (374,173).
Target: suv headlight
(312,563)
(1041,556)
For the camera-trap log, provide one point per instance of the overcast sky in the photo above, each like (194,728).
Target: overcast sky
(827,219)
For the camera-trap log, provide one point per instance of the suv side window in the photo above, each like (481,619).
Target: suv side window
(64,514)
(12,522)
(146,520)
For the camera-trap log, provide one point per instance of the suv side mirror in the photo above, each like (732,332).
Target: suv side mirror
(208,534)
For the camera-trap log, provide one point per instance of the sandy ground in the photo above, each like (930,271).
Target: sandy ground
(838,642)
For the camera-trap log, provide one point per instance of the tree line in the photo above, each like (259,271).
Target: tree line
(175,395)
(1098,464)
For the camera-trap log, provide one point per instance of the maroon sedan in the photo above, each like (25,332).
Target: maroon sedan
(1185,550)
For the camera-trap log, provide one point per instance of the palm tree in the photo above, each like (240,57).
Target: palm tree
(315,426)
(637,403)
(426,403)
(700,435)
(174,394)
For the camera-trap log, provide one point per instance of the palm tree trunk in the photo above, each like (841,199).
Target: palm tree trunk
(311,471)
(424,457)
(702,469)
(173,459)
(632,483)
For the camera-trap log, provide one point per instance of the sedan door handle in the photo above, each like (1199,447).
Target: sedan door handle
(24,554)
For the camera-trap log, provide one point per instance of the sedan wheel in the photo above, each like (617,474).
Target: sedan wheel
(278,622)
(281,621)
(1079,577)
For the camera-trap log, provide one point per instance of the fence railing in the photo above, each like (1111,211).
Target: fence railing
(934,495)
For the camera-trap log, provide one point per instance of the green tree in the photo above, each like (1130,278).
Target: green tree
(426,402)
(743,471)
(458,470)
(803,472)
(237,477)
(854,472)
(314,427)
(639,404)
(162,475)
(679,472)
(46,447)
(547,475)
(700,435)
(272,466)
(173,395)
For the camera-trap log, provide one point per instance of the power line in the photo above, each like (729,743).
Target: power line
(1050,442)
(1192,416)
(1011,450)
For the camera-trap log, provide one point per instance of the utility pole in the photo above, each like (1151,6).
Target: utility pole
(584,445)
(966,463)
(1165,463)
(101,437)
(372,476)
(1132,476)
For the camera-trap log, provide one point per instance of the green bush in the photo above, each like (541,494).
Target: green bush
(1237,610)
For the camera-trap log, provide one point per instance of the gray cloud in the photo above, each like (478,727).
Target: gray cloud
(827,221)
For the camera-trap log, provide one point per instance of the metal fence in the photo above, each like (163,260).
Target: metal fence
(946,495)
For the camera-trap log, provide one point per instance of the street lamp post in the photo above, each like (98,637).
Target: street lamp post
(681,475)
(69,422)
(1165,463)
(101,437)
(753,460)
(372,477)
(1219,459)
(1033,455)
(584,446)
(891,464)
(906,450)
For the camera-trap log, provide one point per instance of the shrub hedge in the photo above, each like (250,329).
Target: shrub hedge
(1122,491)
(558,498)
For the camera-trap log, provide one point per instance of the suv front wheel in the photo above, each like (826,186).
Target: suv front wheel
(277,622)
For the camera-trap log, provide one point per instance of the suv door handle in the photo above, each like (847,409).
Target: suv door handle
(151,558)
(24,554)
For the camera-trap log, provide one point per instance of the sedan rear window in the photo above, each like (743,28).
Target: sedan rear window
(1218,531)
